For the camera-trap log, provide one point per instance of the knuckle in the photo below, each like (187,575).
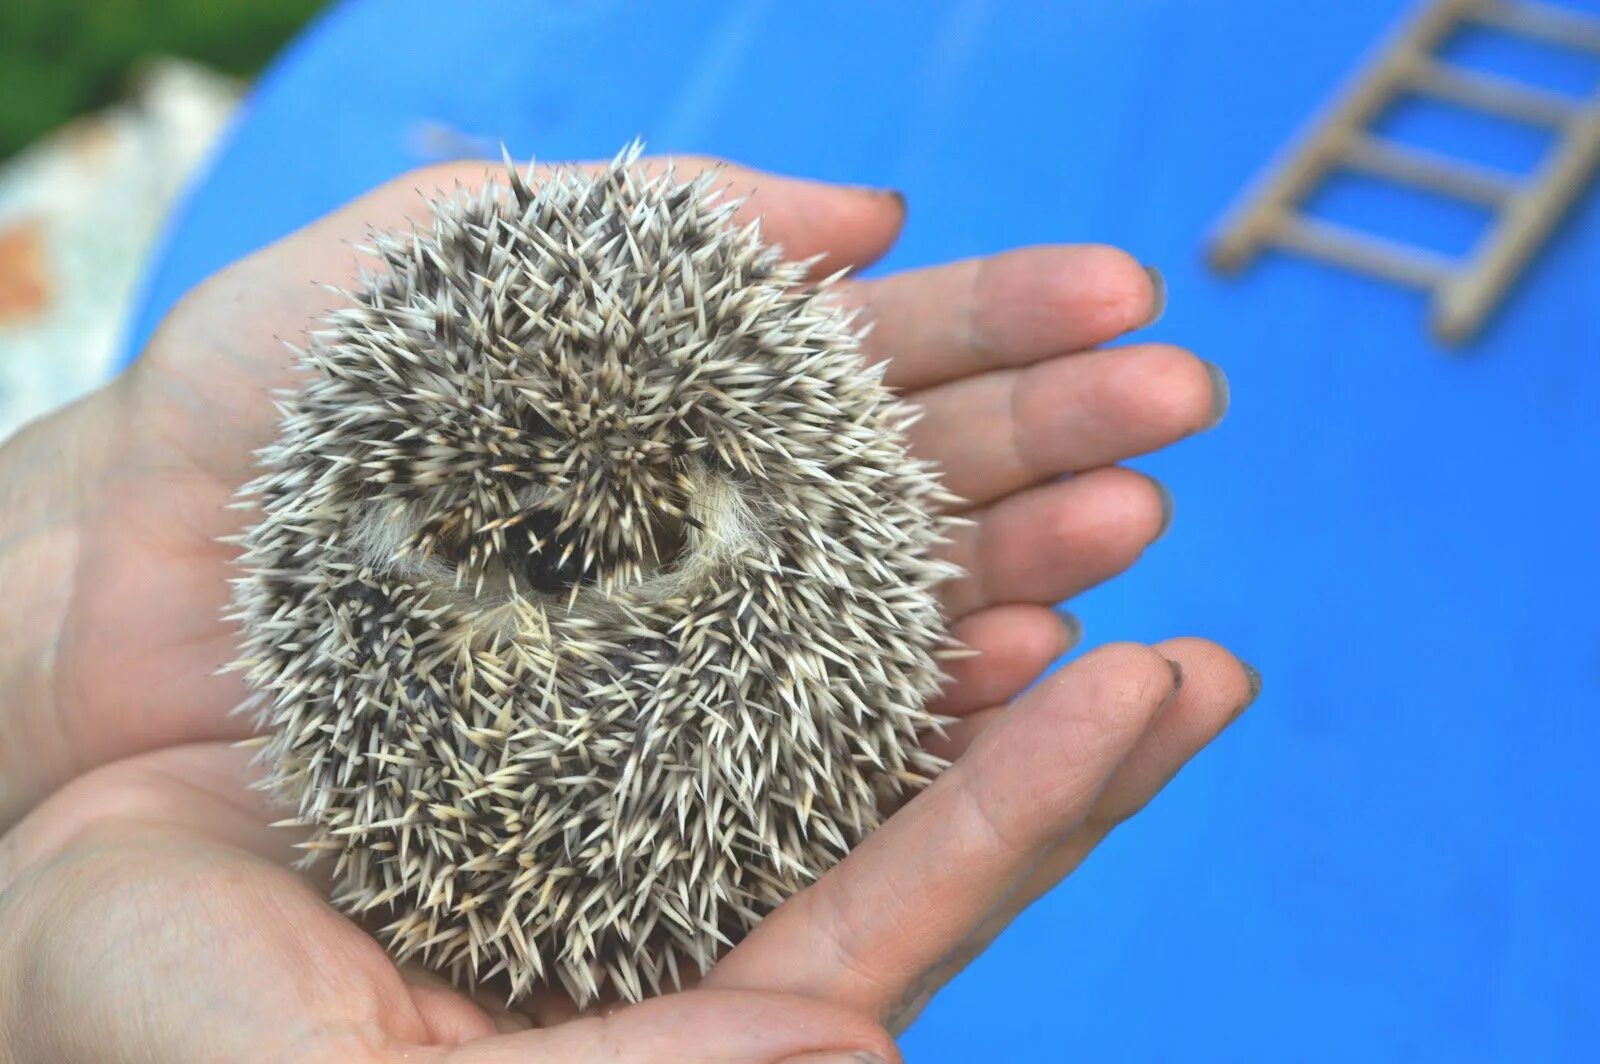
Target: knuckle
(995,816)
(854,937)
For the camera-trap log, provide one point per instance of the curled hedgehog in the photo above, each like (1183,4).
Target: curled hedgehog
(589,610)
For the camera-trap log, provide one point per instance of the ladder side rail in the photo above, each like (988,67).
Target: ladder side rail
(1461,304)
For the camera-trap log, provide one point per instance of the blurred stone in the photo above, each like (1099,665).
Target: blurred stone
(79,212)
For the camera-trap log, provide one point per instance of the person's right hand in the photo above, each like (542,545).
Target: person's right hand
(147,916)
(146,913)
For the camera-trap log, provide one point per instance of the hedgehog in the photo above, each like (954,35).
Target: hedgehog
(589,609)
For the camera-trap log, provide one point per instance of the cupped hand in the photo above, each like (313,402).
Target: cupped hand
(146,912)
(111,546)
(114,560)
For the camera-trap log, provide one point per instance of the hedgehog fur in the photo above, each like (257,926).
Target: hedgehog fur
(589,610)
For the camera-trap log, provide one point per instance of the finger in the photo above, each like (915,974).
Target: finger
(1217,688)
(1004,431)
(949,322)
(1049,543)
(866,931)
(699,1027)
(1011,645)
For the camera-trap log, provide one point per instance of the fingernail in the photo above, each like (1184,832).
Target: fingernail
(1074,630)
(1166,507)
(1177,680)
(891,193)
(834,1057)
(1158,295)
(1254,679)
(1219,393)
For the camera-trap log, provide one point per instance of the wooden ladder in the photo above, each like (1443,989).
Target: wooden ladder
(1526,209)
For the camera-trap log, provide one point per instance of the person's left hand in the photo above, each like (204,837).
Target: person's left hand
(113,509)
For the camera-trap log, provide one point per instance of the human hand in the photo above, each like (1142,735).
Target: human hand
(984,347)
(114,508)
(146,913)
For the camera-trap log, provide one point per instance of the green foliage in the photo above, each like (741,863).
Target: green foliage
(60,58)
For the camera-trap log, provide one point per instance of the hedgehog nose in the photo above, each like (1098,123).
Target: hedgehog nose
(548,571)
(551,561)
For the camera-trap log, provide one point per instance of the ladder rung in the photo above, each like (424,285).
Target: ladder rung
(1496,95)
(1425,169)
(1541,22)
(1359,251)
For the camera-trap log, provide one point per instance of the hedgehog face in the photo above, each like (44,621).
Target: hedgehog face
(590,610)
(547,498)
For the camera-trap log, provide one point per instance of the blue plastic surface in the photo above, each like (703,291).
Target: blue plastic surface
(1393,855)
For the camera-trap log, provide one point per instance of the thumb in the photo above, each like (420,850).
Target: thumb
(700,1027)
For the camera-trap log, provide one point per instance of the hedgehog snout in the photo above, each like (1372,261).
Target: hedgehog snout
(541,548)
(546,556)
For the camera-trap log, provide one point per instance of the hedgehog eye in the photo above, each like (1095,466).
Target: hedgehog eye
(669,538)
(447,542)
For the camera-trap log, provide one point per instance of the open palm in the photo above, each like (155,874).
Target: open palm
(123,576)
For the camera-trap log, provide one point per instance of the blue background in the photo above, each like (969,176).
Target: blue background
(1392,855)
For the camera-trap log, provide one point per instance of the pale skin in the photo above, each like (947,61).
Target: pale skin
(147,912)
